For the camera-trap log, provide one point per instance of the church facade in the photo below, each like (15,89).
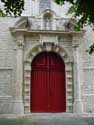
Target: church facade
(44,66)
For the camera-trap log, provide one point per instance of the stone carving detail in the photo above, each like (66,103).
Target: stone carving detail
(60,24)
(65,24)
(37,23)
(20,41)
(34,23)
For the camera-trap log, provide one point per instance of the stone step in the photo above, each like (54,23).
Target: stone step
(48,119)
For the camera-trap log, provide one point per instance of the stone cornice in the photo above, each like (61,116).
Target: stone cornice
(15,31)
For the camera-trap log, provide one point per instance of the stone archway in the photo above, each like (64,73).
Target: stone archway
(53,40)
(30,54)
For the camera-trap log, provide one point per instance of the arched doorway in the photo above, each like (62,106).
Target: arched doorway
(48,88)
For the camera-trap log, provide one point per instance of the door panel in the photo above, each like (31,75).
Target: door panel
(57,92)
(39,91)
(48,92)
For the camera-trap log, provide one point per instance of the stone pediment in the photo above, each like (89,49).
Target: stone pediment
(38,23)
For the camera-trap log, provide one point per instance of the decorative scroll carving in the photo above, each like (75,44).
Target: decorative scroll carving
(65,24)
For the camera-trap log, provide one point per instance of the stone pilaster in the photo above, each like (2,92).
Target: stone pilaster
(77,104)
(19,107)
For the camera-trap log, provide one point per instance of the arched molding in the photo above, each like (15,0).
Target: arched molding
(21,23)
(49,11)
(29,56)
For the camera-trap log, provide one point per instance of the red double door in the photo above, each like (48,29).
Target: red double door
(48,92)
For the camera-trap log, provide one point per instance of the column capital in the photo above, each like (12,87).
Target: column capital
(76,40)
(20,41)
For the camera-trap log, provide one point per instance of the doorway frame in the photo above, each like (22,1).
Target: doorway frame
(29,56)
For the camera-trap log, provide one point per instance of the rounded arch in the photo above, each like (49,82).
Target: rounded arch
(31,54)
(38,48)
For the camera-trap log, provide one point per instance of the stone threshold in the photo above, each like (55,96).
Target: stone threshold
(48,119)
(48,115)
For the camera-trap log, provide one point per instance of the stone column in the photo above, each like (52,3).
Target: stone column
(19,107)
(77,104)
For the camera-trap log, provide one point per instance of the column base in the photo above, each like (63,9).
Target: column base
(78,106)
(18,108)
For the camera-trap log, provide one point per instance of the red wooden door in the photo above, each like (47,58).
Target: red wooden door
(48,92)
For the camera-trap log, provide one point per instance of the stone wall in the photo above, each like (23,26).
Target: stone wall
(7,66)
(87,62)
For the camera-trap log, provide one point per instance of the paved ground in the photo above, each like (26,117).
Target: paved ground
(48,119)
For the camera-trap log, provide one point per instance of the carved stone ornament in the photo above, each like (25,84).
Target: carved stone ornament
(20,41)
